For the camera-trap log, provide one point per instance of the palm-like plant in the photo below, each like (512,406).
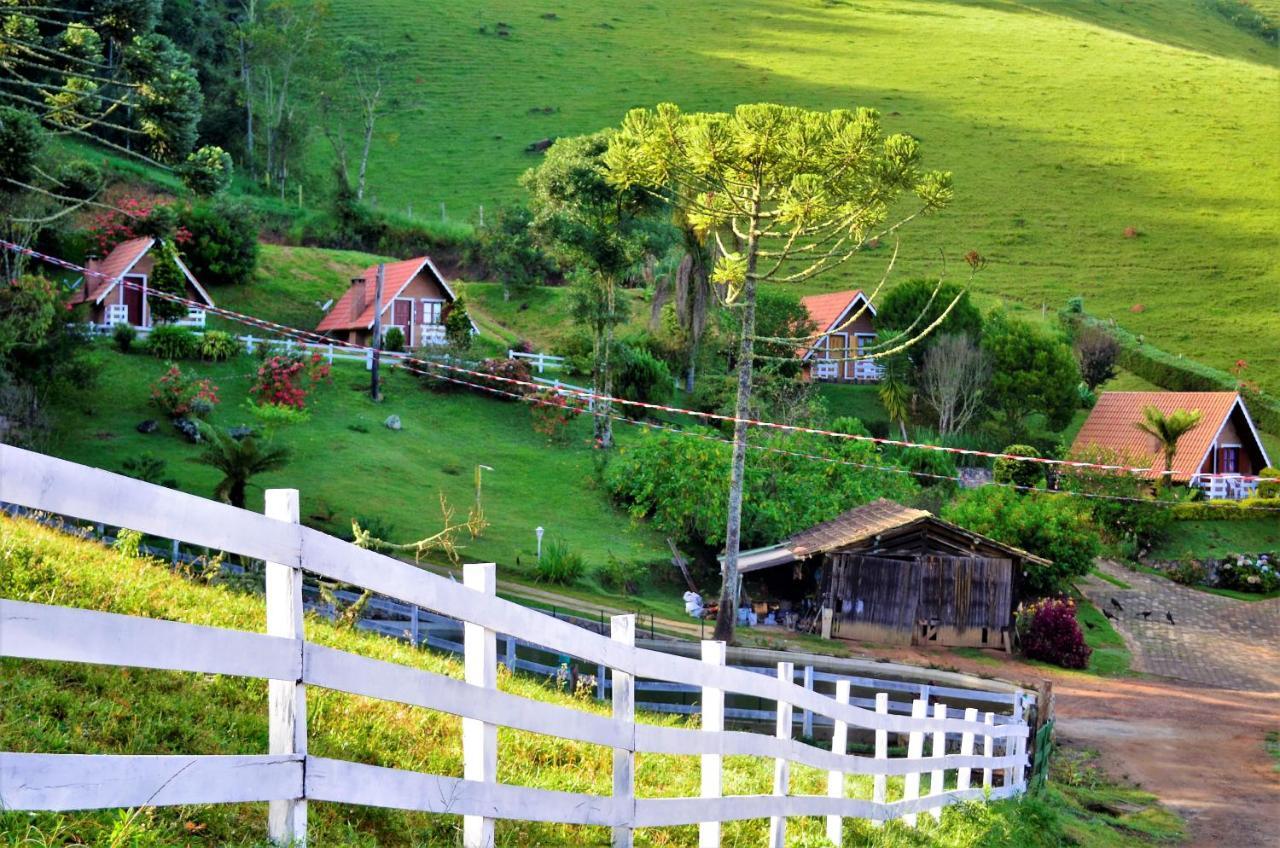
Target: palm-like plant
(895,396)
(239,460)
(1167,429)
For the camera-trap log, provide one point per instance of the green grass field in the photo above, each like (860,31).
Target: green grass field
(86,709)
(1219,538)
(1064,124)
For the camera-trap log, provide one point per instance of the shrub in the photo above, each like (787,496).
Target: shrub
(1248,574)
(287,379)
(551,413)
(1242,510)
(167,341)
(504,370)
(1269,485)
(622,575)
(393,340)
(179,394)
(558,564)
(131,217)
(640,376)
(219,346)
(122,335)
(1052,633)
(1017,473)
(457,326)
(1188,572)
(206,171)
(271,415)
(166,279)
(1130,513)
(222,248)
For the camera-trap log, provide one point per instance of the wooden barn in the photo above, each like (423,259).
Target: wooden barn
(888,573)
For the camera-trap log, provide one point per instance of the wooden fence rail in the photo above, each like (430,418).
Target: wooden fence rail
(287,777)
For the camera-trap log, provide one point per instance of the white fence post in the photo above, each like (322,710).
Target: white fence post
(330,353)
(806,729)
(966,749)
(835,777)
(248,344)
(511,652)
(915,750)
(623,630)
(781,766)
(479,739)
(287,699)
(938,777)
(879,782)
(1020,742)
(413,624)
(988,750)
(713,653)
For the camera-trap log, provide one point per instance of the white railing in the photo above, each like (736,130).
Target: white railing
(826,369)
(288,777)
(540,361)
(864,369)
(1226,486)
(569,390)
(119,314)
(431,335)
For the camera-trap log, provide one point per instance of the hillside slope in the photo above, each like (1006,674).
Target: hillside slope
(1065,124)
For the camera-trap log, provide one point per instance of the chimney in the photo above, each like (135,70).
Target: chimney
(357,301)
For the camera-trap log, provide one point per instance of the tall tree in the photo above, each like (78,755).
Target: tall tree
(1032,371)
(688,289)
(787,194)
(354,81)
(604,231)
(953,381)
(1167,430)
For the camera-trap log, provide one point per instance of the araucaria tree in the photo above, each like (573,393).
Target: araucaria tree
(786,194)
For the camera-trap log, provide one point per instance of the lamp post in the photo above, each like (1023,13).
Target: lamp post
(480,468)
(539,531)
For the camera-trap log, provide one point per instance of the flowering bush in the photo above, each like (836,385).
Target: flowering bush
(510,369)
(1188,572)
(1249,574)
(551,413)
(287,379)
(179,394)
(131,218)
(1051,633)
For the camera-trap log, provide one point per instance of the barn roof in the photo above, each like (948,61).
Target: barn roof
(394,279)
(861,524)
(1111,423)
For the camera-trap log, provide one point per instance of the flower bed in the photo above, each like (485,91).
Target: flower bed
(1253,573)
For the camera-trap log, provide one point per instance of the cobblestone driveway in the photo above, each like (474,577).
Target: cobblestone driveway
(1216,641)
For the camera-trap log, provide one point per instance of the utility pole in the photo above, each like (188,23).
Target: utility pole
(374,389)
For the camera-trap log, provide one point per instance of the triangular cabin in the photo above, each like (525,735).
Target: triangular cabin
(845,321)
(1221,455)
(415,298)
(116,287)
(891,574)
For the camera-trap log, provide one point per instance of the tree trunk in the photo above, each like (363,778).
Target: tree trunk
(236,493)
(727,615)
(364,155)
(603,422)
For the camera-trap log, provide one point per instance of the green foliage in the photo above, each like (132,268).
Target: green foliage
(206,171)
(779,314)
(559,564)
(1031,372)
(223,247)
(1127,514)
(1269,485)
(679,482)
(1017,473)
(171,342)
(1055,527)
(624,576)
(1188,572)
(1241,510)
(28,306)
(509,252)
(393,340)
(21,142)
(149,468)
(182,394)
(1166,429)
(122,336)
(458,331)
(168,98)
(219,346)
(640,376)
(166,277)
(128,543)
(1242,14)
(913,305)
(239,460)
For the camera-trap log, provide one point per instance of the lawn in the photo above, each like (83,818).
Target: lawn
(347,464)
(1218,538)
(86,709)
(1064,124)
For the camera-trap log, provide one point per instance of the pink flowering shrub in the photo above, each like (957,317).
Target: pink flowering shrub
(132,217)
(1051,633)
(287,380)
(179,394)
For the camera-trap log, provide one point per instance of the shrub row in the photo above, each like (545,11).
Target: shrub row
(1242,510)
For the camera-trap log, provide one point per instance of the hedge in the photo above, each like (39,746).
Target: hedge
(1242,510)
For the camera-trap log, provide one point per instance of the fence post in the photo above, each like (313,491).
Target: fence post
(835,777)
(511,652)
(600,687)
(248,344)
(1020,743)
(966,750)
(988,750)
(915,751)
(413,624)
(622,629)
(782,766)
(806,727)
(330,353)
(938,777)
(286,699)
(880,781)
(479,739)
(713,653)
(368,359)
(173,554)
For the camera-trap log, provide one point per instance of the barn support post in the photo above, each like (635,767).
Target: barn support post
(835,777)
(879,782)
(938,777)
(286,699)
(713,653)
(479,739)
(781,766)
(988,749)
(623,630)
(966,749)
(915,751)
(807,715)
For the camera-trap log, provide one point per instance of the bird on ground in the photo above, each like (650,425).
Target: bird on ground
(1110,615)
(1169,616)
(1116,604)
(1146,615)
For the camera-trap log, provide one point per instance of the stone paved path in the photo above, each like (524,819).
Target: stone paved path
(1216,641)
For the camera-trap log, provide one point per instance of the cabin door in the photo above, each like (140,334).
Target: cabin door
(837,349)
(402,317)
(133,300)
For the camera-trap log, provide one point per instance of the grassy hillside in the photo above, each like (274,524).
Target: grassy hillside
(1065,123)
(72,708)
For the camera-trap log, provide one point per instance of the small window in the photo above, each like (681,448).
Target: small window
(430,312)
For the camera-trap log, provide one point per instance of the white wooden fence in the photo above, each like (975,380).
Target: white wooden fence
(287,777)
(540,361)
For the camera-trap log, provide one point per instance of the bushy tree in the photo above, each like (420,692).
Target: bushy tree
(642,377)
(206,171)
(1096,350)
(1126,512)
(166,277)
(1016,472)
(917,303)
(222,246)
(509,252)
(169,96)
(21,142)
(1032,371)
(457,326)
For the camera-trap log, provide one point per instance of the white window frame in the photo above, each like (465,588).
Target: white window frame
(438,305)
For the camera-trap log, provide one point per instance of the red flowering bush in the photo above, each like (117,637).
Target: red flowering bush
(287,379)
(180,394)
(133,217)
(552,412)
(505,369)
(1051,633)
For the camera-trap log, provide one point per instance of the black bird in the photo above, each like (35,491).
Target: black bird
(1116,604)
(1169,616)
(1146,614)
(1110,615)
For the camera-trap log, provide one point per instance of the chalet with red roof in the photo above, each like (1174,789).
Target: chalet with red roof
(116,287)
(415,298)
(845,327)
(1221,455)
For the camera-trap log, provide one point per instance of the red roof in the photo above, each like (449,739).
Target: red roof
(396,276)
(824,309)
(121,258)
(1111,425)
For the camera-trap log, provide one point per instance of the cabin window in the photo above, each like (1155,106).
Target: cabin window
(1229,459)
(429,312)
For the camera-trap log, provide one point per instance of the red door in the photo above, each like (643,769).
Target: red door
(133,302)
(402,317)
